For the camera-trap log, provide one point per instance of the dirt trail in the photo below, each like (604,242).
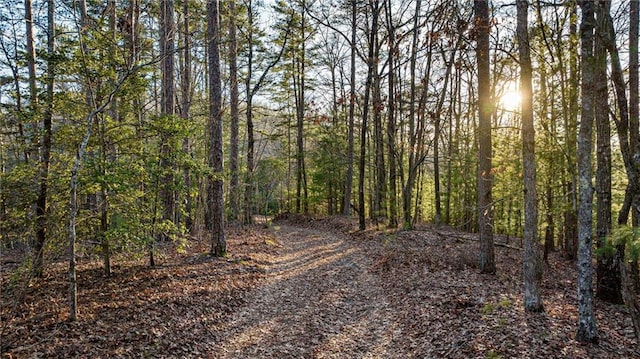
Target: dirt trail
(318,301)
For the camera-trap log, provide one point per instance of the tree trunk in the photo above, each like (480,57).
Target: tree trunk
(167,104)
(608,272)
(380,188)
(45,148)
(234,195)
(587,331)
(391,120)
(215,200)
(485,108)
(634,102)
(532,264)
(302,204)
(31,54)
(631,293)
(571,120)
(186,112)
(365,114)
(352,100)
(407,190)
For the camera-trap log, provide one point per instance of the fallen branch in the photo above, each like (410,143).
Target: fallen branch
(443,235)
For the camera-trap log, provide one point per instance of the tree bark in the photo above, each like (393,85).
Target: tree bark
(532,264)
(186,111)
(365,115)
(571,120)
(31,54)
(407,190)
(302,203)
(587,330)
(45,147)
(234,195)
(380,190)
(215,200)
(348,190)
(634,100)
(391,119)
(485,108)
(608,272)
(167,104)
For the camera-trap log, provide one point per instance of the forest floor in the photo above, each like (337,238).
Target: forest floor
(308,288)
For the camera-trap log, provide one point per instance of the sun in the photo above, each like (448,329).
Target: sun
(511,100)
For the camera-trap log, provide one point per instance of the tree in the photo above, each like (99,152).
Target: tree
(215,200)
(571,121)
(365,112)
(186,109)
(532,264)
(634,98)
(413,161)
(485,108)
(346,209)
(587,330)
(628,130)
(45,146)
(391,116)
(252,86)
(167,103)
(299,65)
(608,272)
(234,190)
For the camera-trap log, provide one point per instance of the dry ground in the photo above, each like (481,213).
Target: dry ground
(310,288)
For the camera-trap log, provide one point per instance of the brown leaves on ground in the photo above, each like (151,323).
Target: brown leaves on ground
(450,310)
(171,310)
(310,288)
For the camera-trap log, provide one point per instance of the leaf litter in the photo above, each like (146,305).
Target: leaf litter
(310,288)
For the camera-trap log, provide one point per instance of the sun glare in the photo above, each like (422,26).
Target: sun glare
(510,100)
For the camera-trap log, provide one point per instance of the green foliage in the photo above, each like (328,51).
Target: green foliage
(487,308)
(269,176)
(626,236)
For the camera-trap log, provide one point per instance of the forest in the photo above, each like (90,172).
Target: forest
(203,145)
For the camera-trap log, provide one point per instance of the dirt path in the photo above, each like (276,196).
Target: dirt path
(319,301)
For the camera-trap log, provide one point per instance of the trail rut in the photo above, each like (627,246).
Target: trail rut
(318,301)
